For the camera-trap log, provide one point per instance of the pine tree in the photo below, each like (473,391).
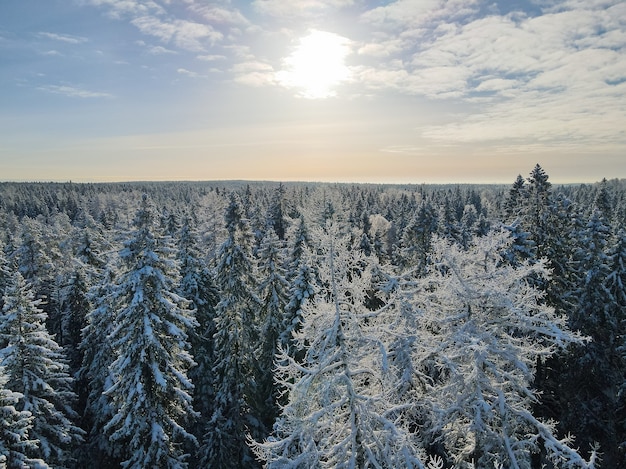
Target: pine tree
(224,445)
(151,391)
(337,415)
(36,368)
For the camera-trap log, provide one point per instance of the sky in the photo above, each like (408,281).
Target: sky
(405,91)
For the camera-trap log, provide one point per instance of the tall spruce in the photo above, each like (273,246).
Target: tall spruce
(224,445)
(273,293)
(36,368)
(98,355)
(197,285)
(150,392)
(15,444)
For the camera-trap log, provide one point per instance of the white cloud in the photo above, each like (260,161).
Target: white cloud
(219,15)
(188,73)
(211,57)
(184,34)
(63,37)
(253,73)
(300,8)
(74,92)
(119,9)
(160,50)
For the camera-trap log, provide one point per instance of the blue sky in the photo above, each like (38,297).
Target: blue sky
(325,90)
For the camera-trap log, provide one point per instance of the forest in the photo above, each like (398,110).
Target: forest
(234,324)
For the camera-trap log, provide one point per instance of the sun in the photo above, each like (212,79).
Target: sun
(317,65)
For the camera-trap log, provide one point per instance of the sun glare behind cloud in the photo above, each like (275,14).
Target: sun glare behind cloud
(317,65)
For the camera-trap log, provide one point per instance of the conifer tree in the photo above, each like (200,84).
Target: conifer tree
(36,368)
(98,355)
(150,391)
(591,374)
(481,328)
(337,414)
(197,285)
(301,278)
(416,238)
(273,291)
(15,444)
(224,445)
(515,200)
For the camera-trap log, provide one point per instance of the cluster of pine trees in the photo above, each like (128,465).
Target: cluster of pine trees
(219,325)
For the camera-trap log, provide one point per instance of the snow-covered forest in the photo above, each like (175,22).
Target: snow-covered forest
(296,325)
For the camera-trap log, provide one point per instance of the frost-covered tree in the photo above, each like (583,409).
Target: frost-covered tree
(36,368)
(33,258)
(98,355)
(15,444)
(481,329)
(273,291)
(417,236)
(150,391)
(5,274)
(591,374)
(300,277)
(76,306)
(224,445)
(197,286)
(515,200)
(337,414)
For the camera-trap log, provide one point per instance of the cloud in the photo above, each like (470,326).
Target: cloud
(160,50)
(254,73)
(210,57)
(220,15)
(301,8)
(74,92)
(184,34)
(63,37)
(119,9)
(188,73)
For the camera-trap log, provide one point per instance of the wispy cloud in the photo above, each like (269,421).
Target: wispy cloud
(300,8)
(189,73)
(210,57)
(254,73)
(119,9)
(67,38)
(74,92)
(184,34)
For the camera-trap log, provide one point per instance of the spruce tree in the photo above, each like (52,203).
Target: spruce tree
(36,368)
(98,355)
(273,291)
(224,445)
(15,444)
(150,391)
(197,285)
